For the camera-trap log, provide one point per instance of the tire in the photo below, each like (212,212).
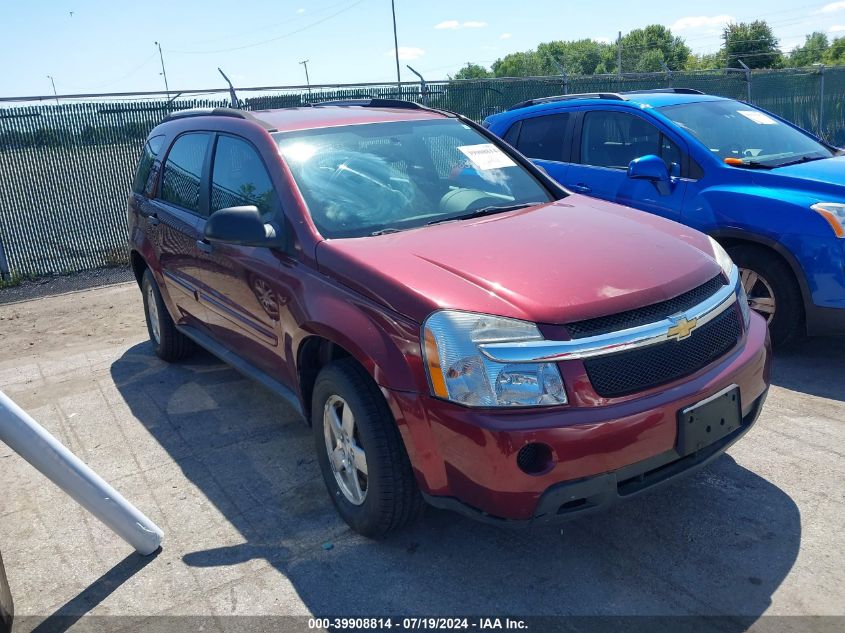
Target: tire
(764,273)
(388,496)
(168,343)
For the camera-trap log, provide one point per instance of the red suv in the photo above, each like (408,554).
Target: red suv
(454,325)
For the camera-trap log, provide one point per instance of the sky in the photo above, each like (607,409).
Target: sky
(94,46)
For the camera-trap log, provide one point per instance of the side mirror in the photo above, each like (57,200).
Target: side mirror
(242,226)
(651,167)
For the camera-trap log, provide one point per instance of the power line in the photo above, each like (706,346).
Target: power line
(272,39)
(128,74)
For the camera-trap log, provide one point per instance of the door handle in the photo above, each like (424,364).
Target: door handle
(580,188)
(204,246)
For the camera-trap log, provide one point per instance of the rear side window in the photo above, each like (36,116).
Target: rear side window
(542,137)
(614,139)
(143,183)
(512,135)
(180,181)
(239,178)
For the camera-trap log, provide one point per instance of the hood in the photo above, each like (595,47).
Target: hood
(565,261)
(821,176)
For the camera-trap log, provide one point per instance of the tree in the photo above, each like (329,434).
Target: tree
(472,71)
(523,64)
(705,61)
(812,52)
(754,43)
(644,49)
(578,57)
(835,53)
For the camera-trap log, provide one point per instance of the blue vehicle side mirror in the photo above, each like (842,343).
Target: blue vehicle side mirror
(651,167)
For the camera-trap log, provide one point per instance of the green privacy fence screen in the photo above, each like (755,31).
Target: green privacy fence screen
(65,169)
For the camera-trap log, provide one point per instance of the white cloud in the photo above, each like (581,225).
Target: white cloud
(702,21)
(505,36)
(833,7)
(836,28)
(300,10)
(407,53)
(454,25)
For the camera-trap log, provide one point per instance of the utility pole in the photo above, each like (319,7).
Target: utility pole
(55,94)
(304,62)
(396,49)
(163,72)
(619,54)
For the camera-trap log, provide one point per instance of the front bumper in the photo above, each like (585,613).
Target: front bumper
(466,458)
(572,499)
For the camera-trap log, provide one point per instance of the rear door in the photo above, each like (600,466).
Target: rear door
(241,284)
(545,140)
(175,222)
(606,141)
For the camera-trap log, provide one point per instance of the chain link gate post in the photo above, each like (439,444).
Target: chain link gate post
(5,273)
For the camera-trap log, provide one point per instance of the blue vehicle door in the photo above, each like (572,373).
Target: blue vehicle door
(545,140)
(604,144)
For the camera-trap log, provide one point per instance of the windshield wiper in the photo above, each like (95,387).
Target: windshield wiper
(749,164)
(389,229)
(477,213)
(803,159)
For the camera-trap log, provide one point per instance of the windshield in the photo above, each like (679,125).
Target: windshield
(360,180)
(734,130)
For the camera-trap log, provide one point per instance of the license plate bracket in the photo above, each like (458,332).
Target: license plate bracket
(709,421)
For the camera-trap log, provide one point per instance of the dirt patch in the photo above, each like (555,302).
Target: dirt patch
(75,321)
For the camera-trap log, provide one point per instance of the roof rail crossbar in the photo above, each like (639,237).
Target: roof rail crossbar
(613,96)
(372,102)
(229,112)
(677,91)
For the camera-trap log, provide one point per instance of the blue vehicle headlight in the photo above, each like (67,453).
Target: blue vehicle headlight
(834,213)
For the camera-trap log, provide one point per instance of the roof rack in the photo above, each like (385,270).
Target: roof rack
(677,91)
(613,96)
(229,112)
(372,102)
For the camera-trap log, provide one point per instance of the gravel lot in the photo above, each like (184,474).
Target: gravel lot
(228,471)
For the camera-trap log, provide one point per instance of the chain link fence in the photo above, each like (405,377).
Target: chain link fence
(65,169)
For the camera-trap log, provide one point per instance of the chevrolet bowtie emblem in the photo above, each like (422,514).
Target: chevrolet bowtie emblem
(682,328)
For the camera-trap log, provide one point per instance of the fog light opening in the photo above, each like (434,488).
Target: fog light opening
(535,458)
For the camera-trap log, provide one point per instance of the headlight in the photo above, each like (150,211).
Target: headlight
(458,371)
(834,213)
(722,258)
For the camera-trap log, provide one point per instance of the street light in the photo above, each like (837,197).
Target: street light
(55,94)
(163,73)
(396,49)
(304,62)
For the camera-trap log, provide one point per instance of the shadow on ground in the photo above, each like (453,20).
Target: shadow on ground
(815,366)
(719,543)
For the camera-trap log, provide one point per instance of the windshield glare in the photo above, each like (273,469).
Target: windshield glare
(736,130)
(361,179)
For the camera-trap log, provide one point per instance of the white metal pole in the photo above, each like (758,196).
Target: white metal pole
(37,446)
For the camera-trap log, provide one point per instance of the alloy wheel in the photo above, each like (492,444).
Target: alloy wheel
(152,312)
(346,457)
(761,297)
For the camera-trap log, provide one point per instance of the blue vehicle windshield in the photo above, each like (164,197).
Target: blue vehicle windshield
(735,130)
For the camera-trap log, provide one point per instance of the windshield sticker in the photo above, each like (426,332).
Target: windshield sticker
(486,156)
(757,117)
